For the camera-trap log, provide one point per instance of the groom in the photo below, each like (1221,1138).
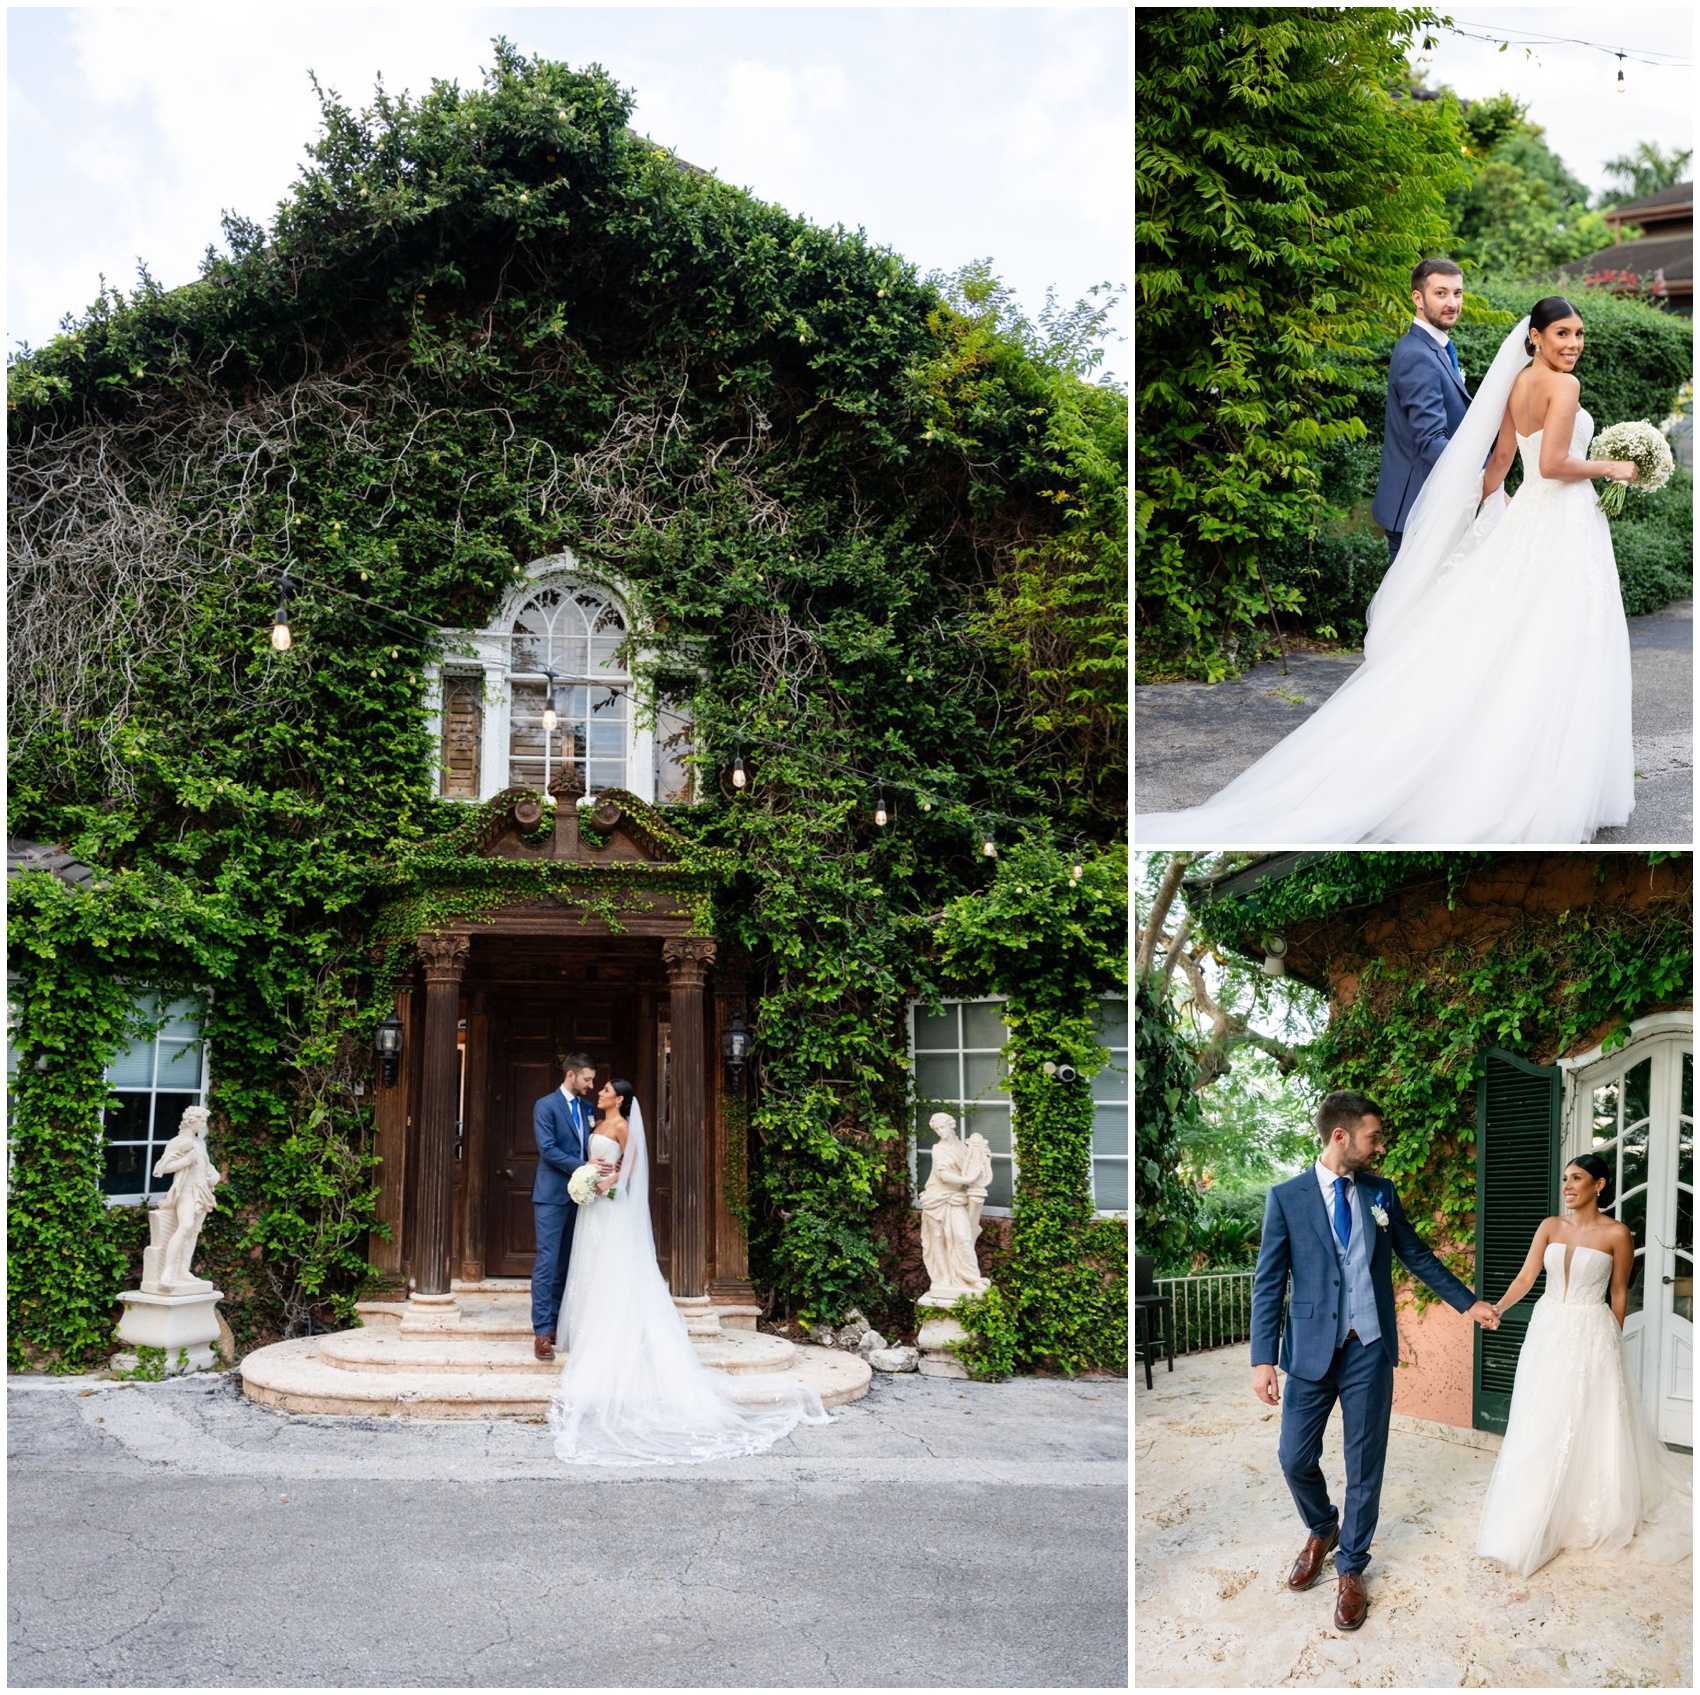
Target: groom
(1333,1230)
(1426,397)
(562,1122)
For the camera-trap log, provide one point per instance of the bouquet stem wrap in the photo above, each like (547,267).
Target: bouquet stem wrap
(1645,446)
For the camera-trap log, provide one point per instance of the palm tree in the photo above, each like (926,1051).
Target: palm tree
(1648,169)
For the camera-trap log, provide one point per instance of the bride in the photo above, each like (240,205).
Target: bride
(1493,701)
(633,1391)
(1580,1466)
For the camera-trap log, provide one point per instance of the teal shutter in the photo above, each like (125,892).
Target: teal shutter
(1517,1171)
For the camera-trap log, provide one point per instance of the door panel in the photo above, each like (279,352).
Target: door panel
(529,1034)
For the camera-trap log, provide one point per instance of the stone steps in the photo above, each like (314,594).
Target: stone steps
(478,1347)
(478,1377)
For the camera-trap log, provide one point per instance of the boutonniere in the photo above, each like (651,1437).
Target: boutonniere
(1378,1213)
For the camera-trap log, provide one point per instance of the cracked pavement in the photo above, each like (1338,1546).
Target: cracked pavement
(936,1534)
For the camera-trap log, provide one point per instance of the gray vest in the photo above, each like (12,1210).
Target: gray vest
(1357,1309)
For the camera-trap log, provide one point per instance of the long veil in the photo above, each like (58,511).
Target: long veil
(1443,528)
(633,1390)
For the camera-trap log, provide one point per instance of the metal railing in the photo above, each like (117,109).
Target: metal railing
(1212,1309)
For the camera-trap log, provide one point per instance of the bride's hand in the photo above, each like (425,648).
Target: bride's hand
(1624,470)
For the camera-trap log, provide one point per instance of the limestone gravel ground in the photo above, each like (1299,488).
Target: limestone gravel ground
(936,1534)
(1191,739)
(1215,1534)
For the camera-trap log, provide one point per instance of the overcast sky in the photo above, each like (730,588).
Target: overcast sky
(1571,90)
(949,134)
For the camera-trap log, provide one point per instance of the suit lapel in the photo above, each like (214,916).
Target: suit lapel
(1324,1225)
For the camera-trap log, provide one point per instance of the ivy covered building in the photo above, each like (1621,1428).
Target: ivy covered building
(1509,1011)
(698,624)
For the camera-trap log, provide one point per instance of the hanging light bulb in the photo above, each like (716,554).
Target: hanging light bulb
(879,807)
(1622,86)
(739,776)
(987,846)
(551,718)
(1077,870)
(1426,56)
(281,638)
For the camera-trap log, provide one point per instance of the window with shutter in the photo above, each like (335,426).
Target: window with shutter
(1517,1171)
(463,735)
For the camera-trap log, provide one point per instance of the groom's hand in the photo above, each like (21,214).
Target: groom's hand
(1484,1315)
(1264,1386)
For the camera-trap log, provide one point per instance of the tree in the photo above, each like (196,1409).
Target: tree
(1522,213)
(1648,169)
(1285,188)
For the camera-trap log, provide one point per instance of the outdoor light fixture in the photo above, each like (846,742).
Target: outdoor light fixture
(551,717)
(1622,86)
(987,846)
(1274,955)
(280,619)
(879,806)
(1062,1071)
(386,1044)
(735,1047)
(739,777)
(1078,869)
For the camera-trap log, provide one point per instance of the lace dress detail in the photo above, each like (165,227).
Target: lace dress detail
(1580,1466)
(1496,708)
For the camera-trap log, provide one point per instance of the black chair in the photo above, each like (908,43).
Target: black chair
(1146,1300)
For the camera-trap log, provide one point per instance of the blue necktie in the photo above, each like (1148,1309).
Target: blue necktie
(1452,354)
(1342,1213)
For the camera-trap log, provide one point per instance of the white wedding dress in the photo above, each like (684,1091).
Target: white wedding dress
(633,1391)
(1580,1466)
(1493,703)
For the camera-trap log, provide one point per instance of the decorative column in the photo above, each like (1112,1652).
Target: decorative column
(733,1294)
(430,1304)
(687,959)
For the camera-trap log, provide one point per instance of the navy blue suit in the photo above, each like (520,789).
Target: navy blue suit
(1426,402)
(1298,1244)
(562,1129)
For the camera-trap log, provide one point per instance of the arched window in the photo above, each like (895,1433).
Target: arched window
(487,711)
(575,632)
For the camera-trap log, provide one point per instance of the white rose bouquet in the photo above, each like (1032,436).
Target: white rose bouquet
(1641,443)
(581,1186)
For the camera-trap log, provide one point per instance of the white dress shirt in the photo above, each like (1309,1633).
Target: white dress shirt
(1326,1178)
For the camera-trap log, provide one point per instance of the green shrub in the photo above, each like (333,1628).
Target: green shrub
(1654,545)
(994,1335)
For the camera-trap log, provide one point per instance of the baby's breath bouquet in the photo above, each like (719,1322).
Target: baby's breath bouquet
(1640,442)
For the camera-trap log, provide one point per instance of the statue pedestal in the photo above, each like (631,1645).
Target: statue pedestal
(426,1313)
(184,1325)
(937,1331)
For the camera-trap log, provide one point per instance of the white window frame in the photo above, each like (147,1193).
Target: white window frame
(1126,1069)
(203,998)
(486,652)
(990,1211)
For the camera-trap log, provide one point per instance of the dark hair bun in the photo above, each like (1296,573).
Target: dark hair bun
(1597,1168)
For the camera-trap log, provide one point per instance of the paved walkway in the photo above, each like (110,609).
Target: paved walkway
(1215,1533)
(937,1534)
(1191,739)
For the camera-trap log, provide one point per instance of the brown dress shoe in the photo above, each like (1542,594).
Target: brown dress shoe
(1308,1566)
(1351,1605)
(544,1347)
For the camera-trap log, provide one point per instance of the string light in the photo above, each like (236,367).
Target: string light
(1078,869)
(281,638)
(988,846)
(551,718)
(879,807)
(1622,86)
(739,777)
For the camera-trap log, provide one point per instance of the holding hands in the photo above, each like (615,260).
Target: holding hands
(1484,1314)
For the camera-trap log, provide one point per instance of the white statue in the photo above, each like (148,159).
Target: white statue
(175,1224)
(950,1212)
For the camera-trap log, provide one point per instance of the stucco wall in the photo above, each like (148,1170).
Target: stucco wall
(1435,1360)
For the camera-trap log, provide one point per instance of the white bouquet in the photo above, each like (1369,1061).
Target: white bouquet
(581,1186)
(1642,443)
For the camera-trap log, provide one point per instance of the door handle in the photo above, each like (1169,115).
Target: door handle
(1667,1279)
(507,1172)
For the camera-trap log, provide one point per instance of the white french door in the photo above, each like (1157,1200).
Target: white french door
(1635,1109)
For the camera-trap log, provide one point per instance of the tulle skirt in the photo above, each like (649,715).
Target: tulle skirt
(1580,1466)
(1497,709)
(633,1391)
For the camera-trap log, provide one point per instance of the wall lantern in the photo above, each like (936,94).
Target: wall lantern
(735,1048)
(386,1044)
(1062,1071)
(1275,956)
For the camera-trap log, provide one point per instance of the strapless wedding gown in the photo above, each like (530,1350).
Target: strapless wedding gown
(1496,710)
(1581,1466)
(633,1390)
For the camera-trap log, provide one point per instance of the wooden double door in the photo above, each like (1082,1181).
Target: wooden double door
(529,1035)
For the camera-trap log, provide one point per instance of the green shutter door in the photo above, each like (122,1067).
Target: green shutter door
(1517,1139)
